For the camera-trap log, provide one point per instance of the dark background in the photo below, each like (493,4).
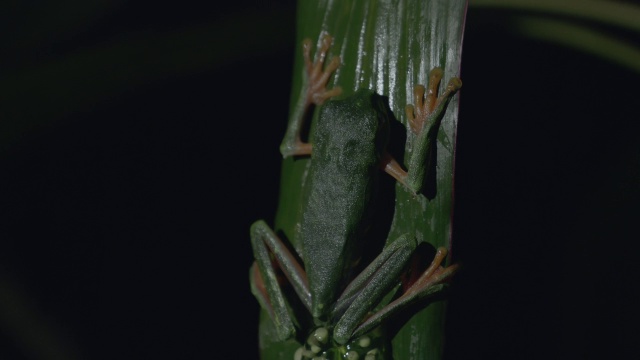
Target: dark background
(132,166)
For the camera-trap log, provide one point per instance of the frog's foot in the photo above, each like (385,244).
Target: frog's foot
(429,106)
(434,274)
(318,77)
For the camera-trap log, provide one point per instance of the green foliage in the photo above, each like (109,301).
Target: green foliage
(585,25)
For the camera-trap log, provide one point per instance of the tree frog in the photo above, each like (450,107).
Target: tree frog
(348,150)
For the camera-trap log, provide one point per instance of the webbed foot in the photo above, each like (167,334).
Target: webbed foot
(315,92)
(318,77)
(424,112)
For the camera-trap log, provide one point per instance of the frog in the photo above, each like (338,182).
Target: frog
(348,153)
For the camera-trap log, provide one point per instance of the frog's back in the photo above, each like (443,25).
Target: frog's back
(348,143)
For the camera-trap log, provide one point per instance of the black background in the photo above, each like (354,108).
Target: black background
(124,225)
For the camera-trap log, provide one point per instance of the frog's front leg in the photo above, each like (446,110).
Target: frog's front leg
(314,92)
(264,283)
(424,120)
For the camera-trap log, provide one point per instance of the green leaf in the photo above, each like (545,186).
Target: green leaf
(584,25)
(603,11)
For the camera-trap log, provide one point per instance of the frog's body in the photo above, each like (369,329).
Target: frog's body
(342,179)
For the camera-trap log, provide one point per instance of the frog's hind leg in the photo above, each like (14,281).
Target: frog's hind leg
(314,92)
(264,282)
(368,288)
(432,281)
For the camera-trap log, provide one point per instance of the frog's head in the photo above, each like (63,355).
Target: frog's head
(353,131)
